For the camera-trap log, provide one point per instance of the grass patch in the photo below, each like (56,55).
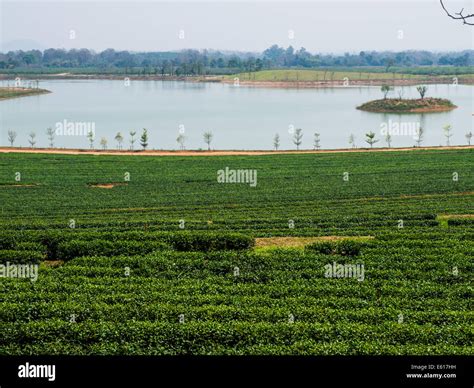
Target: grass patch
(316,75)
(6,93)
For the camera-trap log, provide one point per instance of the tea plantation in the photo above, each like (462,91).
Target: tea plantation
(152,255)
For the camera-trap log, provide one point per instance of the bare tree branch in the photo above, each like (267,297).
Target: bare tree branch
(466,19)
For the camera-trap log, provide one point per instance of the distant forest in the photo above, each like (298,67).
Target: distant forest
(202,62)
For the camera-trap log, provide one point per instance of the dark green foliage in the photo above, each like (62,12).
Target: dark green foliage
(186,241)
(20,256)
(323,247)
(461,221)
(77,248)
(348,247)
(341,247)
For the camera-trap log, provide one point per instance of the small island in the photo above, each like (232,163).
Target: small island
(404,105)
(13,92)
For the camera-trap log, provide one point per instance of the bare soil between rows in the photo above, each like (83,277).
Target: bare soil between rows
(75,151)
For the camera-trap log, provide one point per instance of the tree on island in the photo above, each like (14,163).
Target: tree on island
(276,142)
(297,138)
(180,140)
(422,90)
(132,139)
(469,137)
(208,139)
(91,136)
(50,133)
(385,90)
(388,139)
(32,139)
(103,143)
(144,139)
(370,138)
(447,133)
(119,140)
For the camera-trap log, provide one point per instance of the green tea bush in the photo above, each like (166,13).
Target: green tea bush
(77,248)
(323,247)
(461,221)
(24,256)
(30,246)
(347,247)
(343,247)
(208,241)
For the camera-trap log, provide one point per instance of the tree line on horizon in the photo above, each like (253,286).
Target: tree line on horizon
(201,62)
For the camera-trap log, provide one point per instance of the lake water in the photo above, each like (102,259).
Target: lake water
(239,117)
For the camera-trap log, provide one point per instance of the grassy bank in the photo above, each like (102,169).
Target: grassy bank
(331,77)
(337,76)
(316,75)
(6,93)
(293,75)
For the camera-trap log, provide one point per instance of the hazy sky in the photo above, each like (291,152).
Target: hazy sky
(319,26)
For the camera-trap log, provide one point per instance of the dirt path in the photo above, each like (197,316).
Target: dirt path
(71,151)
(298,242)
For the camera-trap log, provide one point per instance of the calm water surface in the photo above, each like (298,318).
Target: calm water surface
(239,117)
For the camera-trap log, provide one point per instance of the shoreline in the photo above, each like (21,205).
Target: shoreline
(78,151)
(20,92)
(341,84)
(434,109)
(260,84)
